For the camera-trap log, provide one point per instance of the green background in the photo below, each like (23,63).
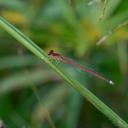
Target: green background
(73,29)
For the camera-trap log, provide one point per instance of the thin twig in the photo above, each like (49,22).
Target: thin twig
(105,2)
(47,114)
(110,32)
(34,89)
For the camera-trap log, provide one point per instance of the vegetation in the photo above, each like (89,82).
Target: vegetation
(89,32)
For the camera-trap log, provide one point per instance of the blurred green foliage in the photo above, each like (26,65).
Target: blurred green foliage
(71,27)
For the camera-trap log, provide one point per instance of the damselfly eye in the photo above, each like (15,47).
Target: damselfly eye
(50,52)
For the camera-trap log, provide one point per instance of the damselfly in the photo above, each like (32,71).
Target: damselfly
(68,61)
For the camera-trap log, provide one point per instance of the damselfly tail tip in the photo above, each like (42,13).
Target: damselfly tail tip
(111,82)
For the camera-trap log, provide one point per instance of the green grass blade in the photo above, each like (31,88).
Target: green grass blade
(20,80)
(75,84)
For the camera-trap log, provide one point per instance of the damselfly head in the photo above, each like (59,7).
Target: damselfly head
(50,52)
